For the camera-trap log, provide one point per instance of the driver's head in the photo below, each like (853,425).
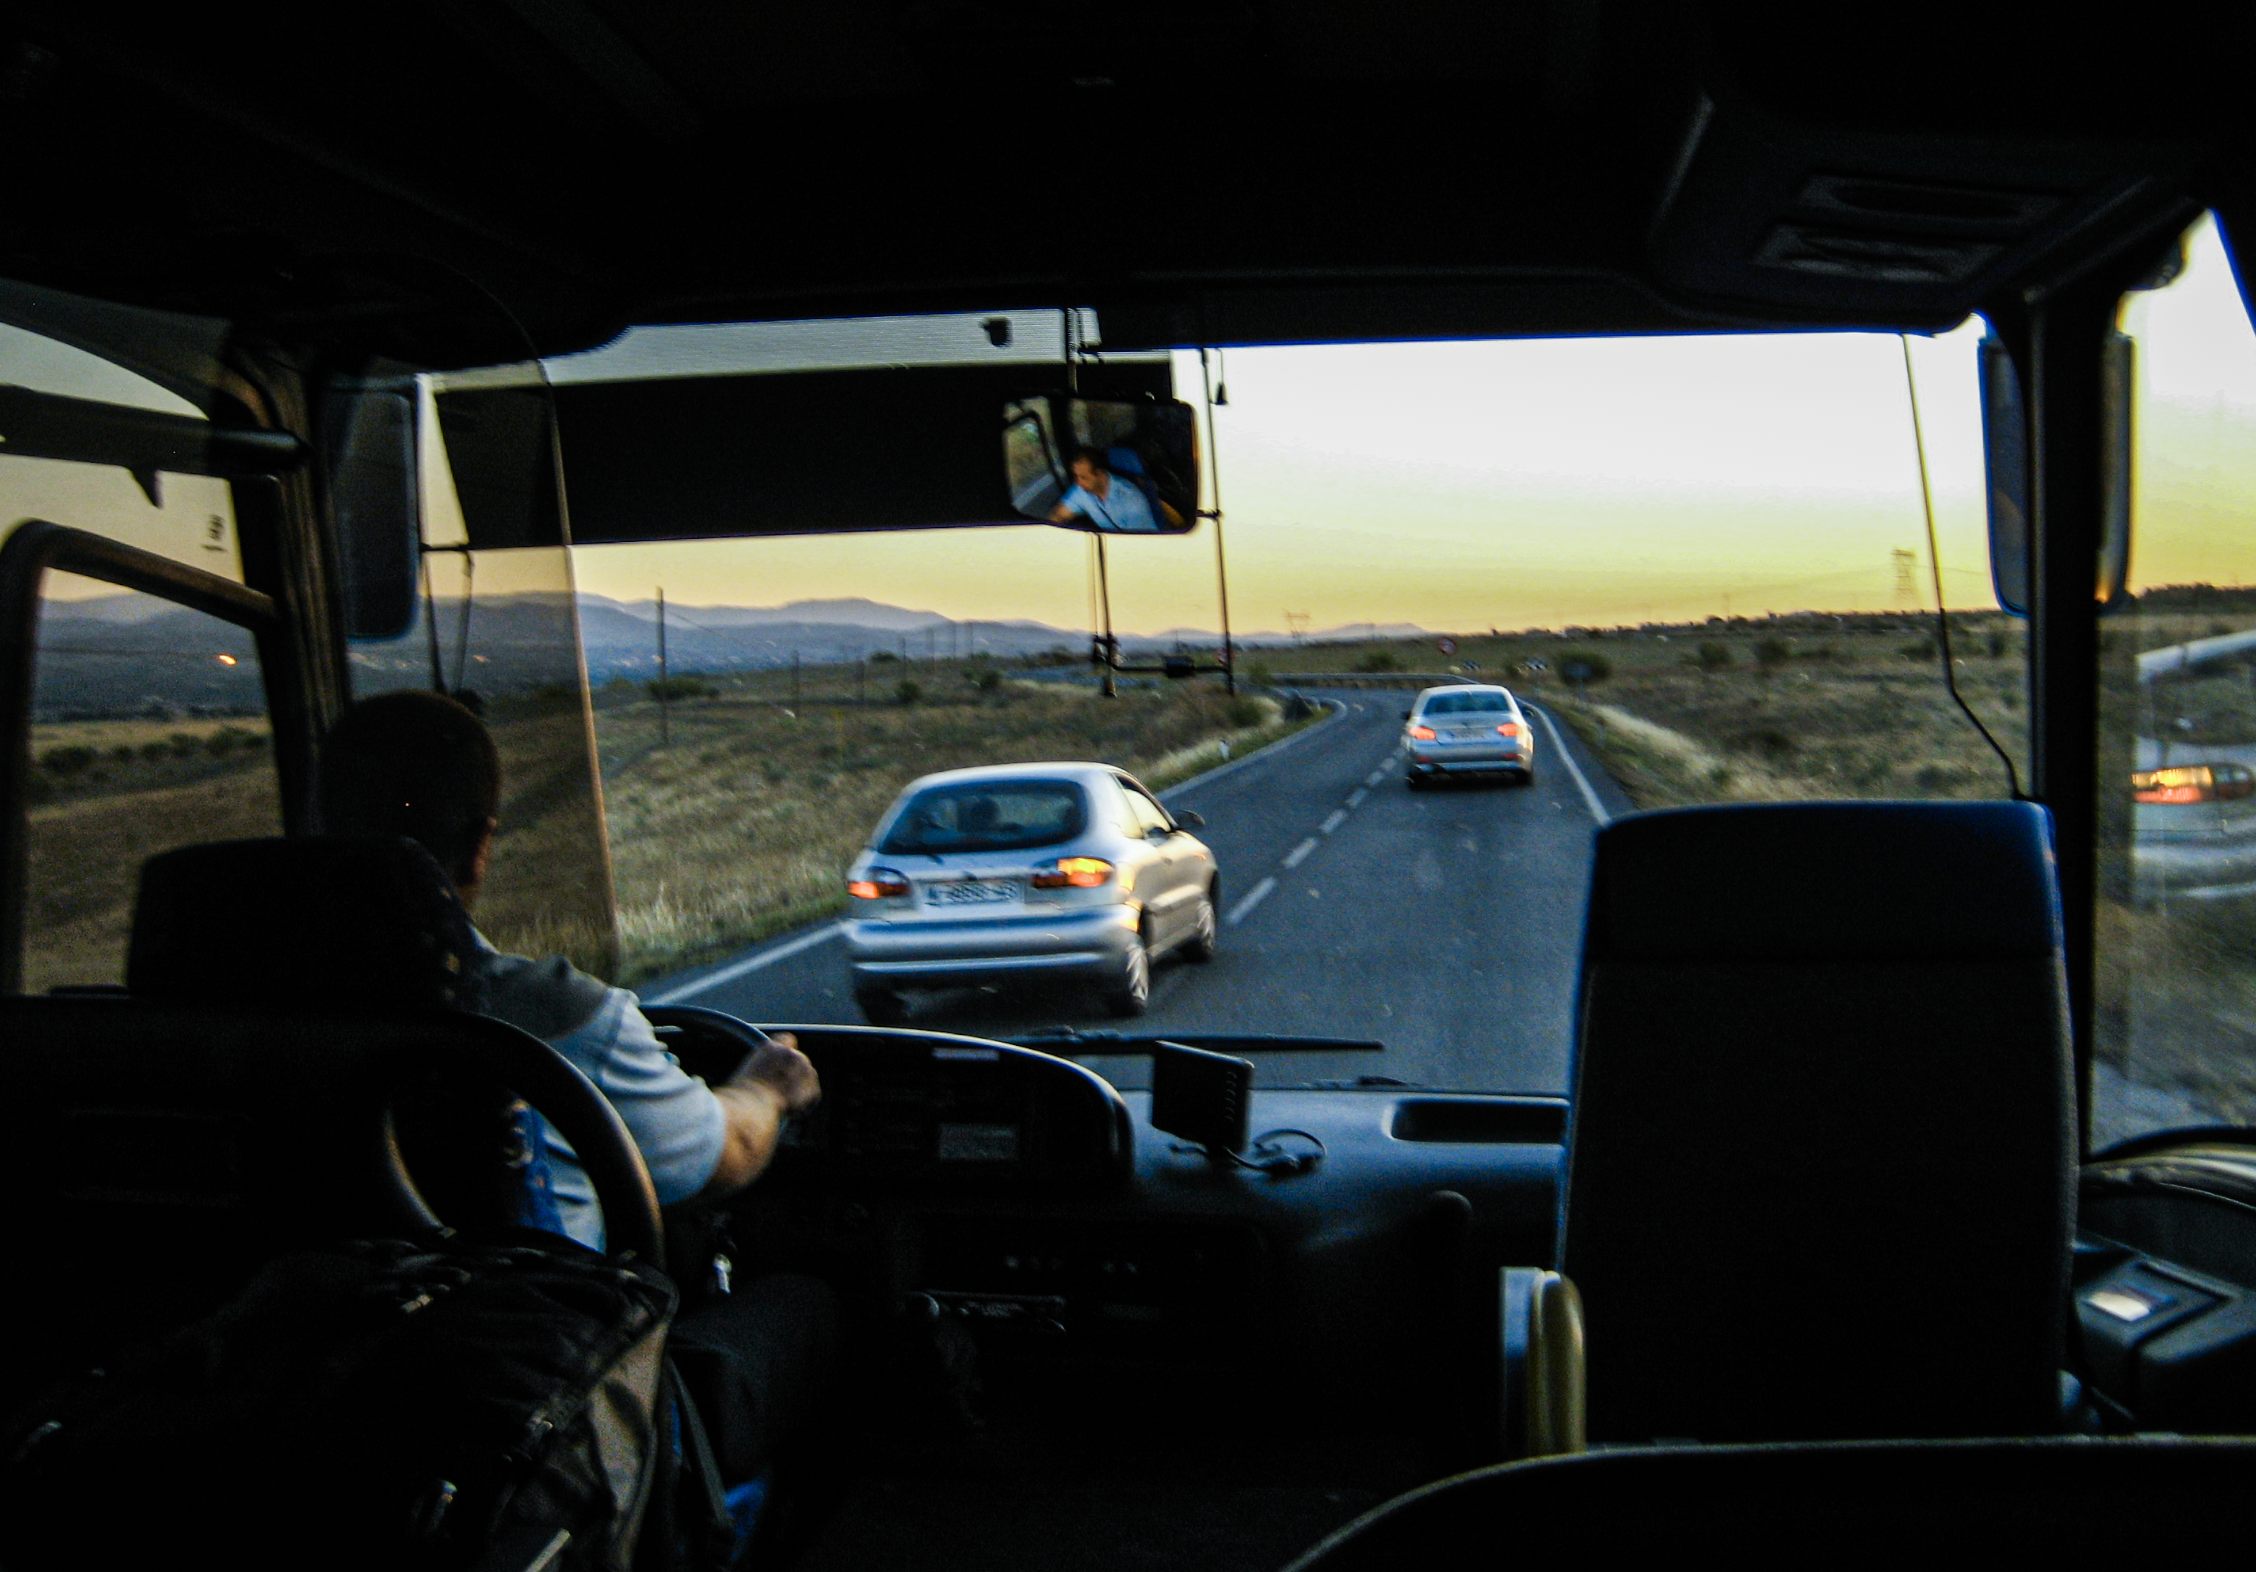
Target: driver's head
(419,765)
(1089,472)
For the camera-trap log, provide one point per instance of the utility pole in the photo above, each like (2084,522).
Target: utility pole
(1221,563)
(794,679)
(665,734)
(1104,600)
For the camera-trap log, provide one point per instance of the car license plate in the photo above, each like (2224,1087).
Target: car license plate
(972,892)
(1465,734)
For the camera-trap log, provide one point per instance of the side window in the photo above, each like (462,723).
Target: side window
(189,518)
(2175,1031)
(149,731)
(1150,815)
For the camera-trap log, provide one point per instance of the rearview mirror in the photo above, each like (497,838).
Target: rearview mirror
(2005,452)
(1113,468)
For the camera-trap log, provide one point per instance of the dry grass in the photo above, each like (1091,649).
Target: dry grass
(742,824)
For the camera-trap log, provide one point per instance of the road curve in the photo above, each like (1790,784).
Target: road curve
(1443,923)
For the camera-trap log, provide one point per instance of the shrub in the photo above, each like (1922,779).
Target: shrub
(67,761)
(907,691)
(1582,666)
(1772,653)
(1259,675)
(184,744)
(883,657)
(1714,655)
(2001,644)
(1244,711)
(986,680)
(1379,660)
(156,750)
(1920,650)
(688,687)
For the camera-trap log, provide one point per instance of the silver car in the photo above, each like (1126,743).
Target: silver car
(1026,873)
(1470,729)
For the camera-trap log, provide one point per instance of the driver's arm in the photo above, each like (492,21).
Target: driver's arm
(775,1082)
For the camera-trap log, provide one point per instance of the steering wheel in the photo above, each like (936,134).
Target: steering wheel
(482,1049)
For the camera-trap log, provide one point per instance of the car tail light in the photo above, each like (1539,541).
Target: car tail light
(880,884)
(1508,729)
(2184,783)
(1082,873)
(1422,733)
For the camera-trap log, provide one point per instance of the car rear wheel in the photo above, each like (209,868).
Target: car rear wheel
(881,1006)
(1206,931)
(1414,782)
(1131,995)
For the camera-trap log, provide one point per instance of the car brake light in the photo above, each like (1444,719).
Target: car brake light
(881,883)
(2183,783)
(1422,733)
(1083,873)
(1508,729)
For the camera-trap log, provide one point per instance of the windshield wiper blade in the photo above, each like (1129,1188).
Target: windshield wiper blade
(1074,1040)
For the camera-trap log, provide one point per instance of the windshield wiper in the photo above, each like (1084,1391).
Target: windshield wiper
(1073,1040)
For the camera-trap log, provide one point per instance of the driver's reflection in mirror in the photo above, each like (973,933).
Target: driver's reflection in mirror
(1107,495)
(422,766)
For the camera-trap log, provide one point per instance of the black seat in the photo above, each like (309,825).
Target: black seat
(2053,1500)
(285,1000)
(1822,1156)
(342,923)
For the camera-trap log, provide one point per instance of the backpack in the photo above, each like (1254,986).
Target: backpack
(370,1404)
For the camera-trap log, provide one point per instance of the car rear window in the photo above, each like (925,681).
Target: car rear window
(1467,704)
(989,816)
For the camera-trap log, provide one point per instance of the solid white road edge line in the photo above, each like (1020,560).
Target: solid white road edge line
(1597,808)
(750,963)
(1338,818)
(1262,752)
(1253,897)
(1299,854)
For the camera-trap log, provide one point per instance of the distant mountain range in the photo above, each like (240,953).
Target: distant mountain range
(129,654)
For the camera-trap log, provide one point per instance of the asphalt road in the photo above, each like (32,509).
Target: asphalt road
(1442,923)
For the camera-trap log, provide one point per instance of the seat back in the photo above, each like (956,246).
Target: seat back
(2043,1501)
(336,923)
(1822,1150)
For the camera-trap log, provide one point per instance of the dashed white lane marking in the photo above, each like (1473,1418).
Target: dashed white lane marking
(750,963)
(1338,818)
(1597,808)
(1355,797)
(1253,897)
(1299,854)
(1375,776)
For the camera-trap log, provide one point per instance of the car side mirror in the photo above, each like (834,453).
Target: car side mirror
(1190,821)
(1405,714)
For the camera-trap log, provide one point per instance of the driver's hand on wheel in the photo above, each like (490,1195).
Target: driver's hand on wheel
(778,1067)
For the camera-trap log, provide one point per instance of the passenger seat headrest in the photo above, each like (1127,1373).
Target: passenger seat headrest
(351,923)
(1826,881)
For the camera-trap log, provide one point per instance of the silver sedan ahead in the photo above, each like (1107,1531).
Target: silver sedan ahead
(1468,730)
(1026,873)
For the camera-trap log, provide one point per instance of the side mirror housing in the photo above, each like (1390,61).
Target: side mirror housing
(1190,821)
(2006,459)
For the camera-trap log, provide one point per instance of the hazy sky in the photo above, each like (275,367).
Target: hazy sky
(1476,484)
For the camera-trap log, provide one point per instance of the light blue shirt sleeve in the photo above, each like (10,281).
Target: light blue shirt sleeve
(674,1118)
(1122,508)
